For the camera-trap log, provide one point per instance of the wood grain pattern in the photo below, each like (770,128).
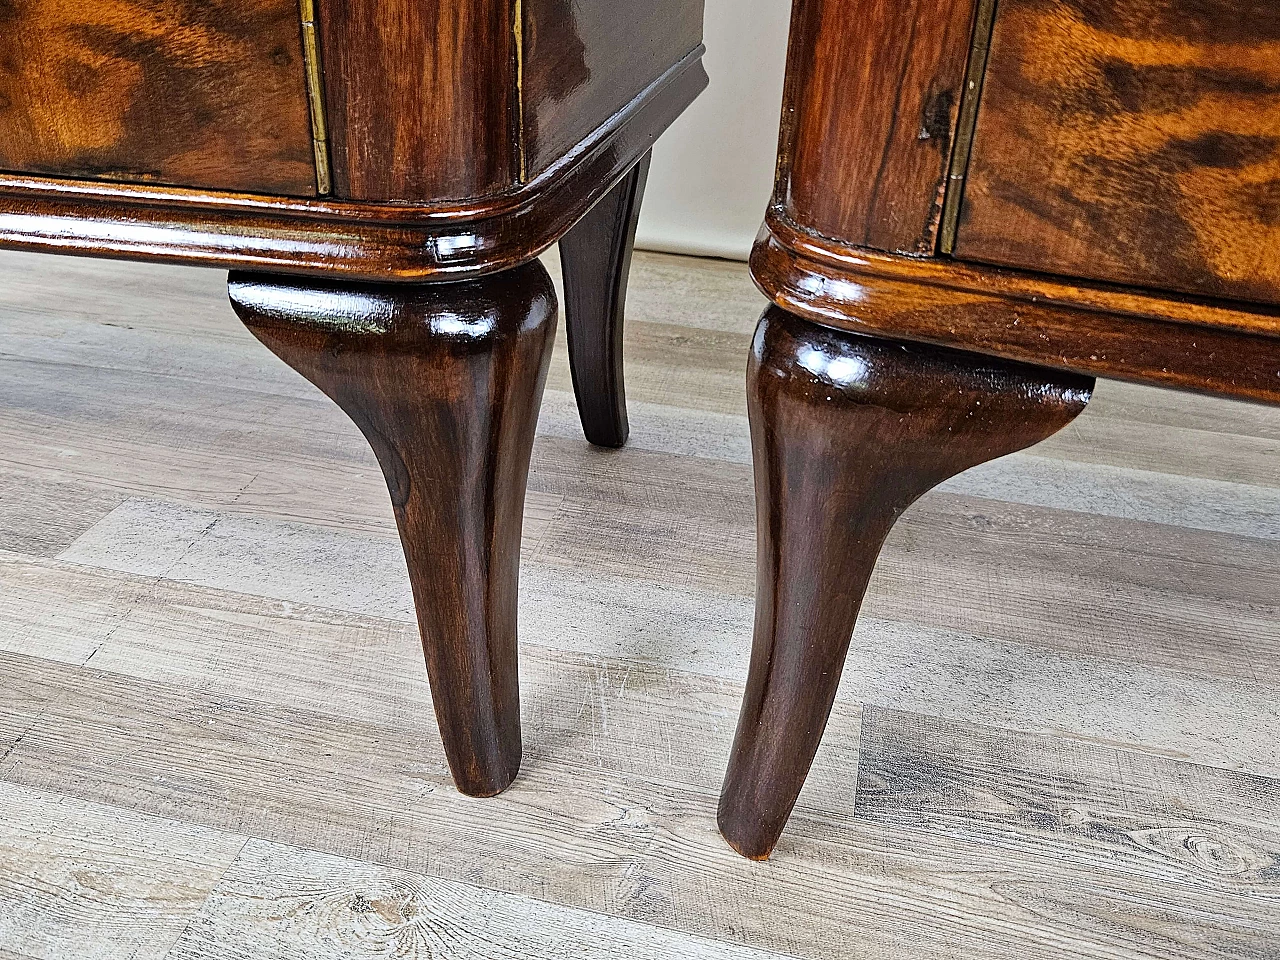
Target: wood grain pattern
(847,432)
(1130,811)
(869,116)
(1142,641)
(1155,131)
(584,60)
(445,382)
(578,833)
(1214,347)
(421,97)
(44,520)
(198,94)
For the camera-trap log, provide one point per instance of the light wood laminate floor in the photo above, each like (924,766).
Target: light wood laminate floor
(1058,734)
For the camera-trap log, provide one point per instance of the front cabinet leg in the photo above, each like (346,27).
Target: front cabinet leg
(847,432)
(445,381)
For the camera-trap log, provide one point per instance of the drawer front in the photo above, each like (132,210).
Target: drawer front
(1134,141)
(197,93)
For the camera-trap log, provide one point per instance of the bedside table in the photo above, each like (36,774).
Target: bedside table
(380,177)
(981,207)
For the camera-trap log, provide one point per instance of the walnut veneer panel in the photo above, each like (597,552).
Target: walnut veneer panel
(421,97)
(1135,141)
(201,94)
(873,88)
(584,60)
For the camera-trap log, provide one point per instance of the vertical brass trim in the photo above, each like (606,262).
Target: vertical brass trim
(315,95)
(518,28)
(966,124)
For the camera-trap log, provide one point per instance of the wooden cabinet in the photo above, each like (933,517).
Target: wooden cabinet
(981,206)
(407,140)
(1135,141)
(407,161)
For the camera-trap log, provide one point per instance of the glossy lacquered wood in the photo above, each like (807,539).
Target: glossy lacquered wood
(848,431)
(445,381)
(449,100)
(201,94)
(872,94)
(422,97)
(587,59)
(1228,349)
(1134,141)
(596,259)
(355,240)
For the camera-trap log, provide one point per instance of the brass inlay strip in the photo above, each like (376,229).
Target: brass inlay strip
(315,95)
(518,28)
(967,122)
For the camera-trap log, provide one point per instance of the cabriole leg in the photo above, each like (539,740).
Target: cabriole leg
(847,431)
(595,257)
(445,381)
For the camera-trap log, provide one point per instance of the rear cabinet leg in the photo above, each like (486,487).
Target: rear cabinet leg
(595,257)
(445,381)
(847,431)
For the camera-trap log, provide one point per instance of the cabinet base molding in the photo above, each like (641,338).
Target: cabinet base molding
(1229,349)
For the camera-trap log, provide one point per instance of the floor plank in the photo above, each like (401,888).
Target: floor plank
(1073,803)
(278,903)
(42,518)
(638,848)
(96,882)
(166,631)
(1066,581)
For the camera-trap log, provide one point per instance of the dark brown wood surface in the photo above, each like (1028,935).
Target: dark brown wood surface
(357,240)
(1228,349)
(872,94)
(596,259)
(1136,141)
(203,94)
(421,97)
(584,60)
(445,381)
(847,431)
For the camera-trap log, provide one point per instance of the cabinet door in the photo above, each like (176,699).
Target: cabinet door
(198,93)
(1135,141)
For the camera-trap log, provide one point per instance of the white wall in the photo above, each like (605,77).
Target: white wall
(712,171)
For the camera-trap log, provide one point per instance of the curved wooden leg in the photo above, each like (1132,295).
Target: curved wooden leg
(445,381)
(847,431)
(596,259)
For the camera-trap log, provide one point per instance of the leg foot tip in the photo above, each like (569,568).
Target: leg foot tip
(613,438)
(474,783)
(752,847)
